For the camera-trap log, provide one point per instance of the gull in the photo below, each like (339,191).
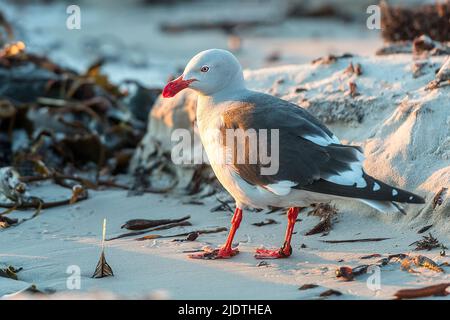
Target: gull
(311,165)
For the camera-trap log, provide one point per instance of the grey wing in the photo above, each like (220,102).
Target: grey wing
(310,156)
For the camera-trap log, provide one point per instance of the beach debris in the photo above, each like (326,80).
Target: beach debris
(140,224)
(428,242)
(194,202)
(6,222)
(308,286)
(331,58)
(227,26)
(418,68)
(77,192)
(206,231)
(223,206)
(424,46)
(12,49)
(265,223)
(330,292)
(408,22)
(274,56)
(183,223)
(9,272)
(191,237)
(356,240)
(11,186)
(345,272)
(438,199)
(348,273)
(422,261)
(263,264)
(425,229)
(103,269)
(434,290)
(327,214)
(370,256)
(406,266)
(353,69)
(352,89)
(400,47)
(442,76)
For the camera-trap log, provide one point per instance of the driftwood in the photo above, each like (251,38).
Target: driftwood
(436,290)
(355,240)
(140,224)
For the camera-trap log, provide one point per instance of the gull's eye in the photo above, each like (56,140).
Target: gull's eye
(204,69)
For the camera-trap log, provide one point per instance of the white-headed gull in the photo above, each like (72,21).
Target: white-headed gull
(313,166)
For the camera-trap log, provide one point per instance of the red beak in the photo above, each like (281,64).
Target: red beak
(175,86)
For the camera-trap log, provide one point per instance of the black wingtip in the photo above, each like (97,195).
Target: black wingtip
(416,199)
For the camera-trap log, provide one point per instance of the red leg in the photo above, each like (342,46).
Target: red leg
(286,250)
(226,251)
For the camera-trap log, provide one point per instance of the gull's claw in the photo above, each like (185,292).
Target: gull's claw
(212,254)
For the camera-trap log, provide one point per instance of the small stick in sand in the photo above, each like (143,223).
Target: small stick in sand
(436,290)
(356,240)
(103,269)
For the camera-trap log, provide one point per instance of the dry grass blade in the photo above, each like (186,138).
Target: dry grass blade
(436,290)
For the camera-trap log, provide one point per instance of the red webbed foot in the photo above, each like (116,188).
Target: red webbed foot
(212,254)
(281,253)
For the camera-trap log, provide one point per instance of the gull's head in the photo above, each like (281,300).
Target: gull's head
(209,72)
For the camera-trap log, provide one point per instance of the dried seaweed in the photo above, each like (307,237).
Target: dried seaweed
(265,223)
(370,256)
(327,214)
(308,286)
(348,273)
(422,261)
(9,272)
(330,292)
(435,290)
(404,23)
(428,242)
(140,224)
(223,206)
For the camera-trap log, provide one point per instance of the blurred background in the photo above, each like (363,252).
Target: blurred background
(149,40)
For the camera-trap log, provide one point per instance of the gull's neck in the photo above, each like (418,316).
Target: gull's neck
(234,88)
